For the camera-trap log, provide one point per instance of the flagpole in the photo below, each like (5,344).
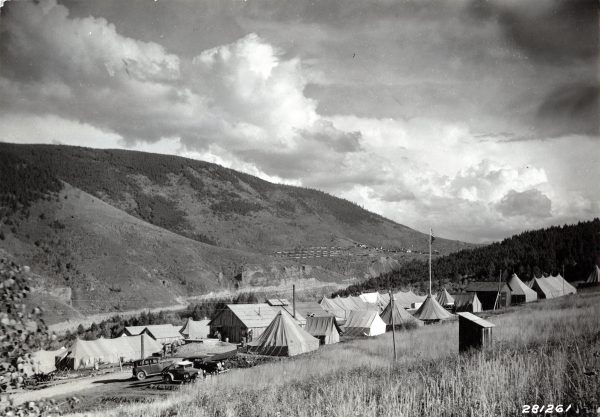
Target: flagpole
(430,262)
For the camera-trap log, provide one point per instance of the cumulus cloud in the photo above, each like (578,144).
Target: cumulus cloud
(529,203)
(420,129)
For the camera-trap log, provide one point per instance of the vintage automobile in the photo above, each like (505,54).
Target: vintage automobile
(149,367)
(182,371)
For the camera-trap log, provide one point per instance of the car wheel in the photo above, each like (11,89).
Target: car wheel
(168,378)
(141,375)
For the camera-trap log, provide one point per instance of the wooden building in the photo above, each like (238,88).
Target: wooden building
(489,291)
(473,332)
(238,321)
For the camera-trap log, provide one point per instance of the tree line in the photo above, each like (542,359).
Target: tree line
(570,250)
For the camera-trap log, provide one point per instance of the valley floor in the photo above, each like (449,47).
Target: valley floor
(544,353)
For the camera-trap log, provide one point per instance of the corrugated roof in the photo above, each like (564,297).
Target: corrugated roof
(254,315)
(472,317)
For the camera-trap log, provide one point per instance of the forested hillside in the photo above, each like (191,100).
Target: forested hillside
(573,247)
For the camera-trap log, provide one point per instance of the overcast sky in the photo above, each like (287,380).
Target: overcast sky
(476,118)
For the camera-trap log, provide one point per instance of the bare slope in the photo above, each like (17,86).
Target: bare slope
(90,257)
(220,206)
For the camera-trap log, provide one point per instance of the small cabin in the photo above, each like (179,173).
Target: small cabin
(473,332)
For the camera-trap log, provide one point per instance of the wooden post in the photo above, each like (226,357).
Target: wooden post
(294,300)
(142,345)
(393,324)
(430,262)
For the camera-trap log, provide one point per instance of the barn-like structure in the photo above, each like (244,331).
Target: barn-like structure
(238,321)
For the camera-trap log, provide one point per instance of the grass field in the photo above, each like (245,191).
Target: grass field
(543,354)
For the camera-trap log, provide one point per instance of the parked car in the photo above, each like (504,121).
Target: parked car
(183,371)
(144,368)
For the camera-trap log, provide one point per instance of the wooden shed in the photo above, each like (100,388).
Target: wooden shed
(237,321)
(473,332)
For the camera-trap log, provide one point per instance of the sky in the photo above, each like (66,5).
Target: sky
(476,118)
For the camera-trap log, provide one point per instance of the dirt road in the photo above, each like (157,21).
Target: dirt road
(72,387)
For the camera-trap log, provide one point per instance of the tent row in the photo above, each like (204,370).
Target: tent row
(87,353)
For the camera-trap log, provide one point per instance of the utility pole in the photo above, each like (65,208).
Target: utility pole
(393,323)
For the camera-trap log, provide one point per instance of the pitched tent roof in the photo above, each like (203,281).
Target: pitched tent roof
(44,361)
(134,330)
(364,323)
(518,287)
(254,315)
(562,285)
(330,306)
(431,310)
(594,276)
(84,353)
(544,288)
(467,302)
(323,327)
(376,298)
(283,337)
(163,331)
(404,299)
(194,330)
(444,298)
(300,319)
(400,315)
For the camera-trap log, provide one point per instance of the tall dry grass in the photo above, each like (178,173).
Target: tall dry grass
(541,355)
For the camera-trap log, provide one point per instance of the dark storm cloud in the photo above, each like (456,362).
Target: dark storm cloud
(549,31)
(530,203)
(571,108)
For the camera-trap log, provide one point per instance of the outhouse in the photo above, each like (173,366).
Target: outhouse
(473,332)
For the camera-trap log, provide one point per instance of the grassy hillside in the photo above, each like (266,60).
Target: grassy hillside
(574,247)
(543,354)
(211,204)
(96,258)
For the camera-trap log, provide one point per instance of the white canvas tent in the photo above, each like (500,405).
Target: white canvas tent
(401,317)
(444,298)
(519,291)
(195,330)
(44,361)
(324,328)
(283,337)
(364,323)
(594,276)
(85,353)
(431,311)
